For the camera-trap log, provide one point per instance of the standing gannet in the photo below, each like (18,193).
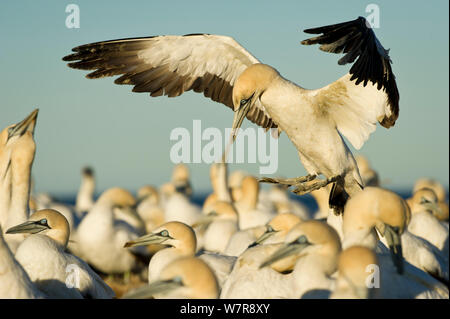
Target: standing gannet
(180,179)
(235,182)
(101,236)
(376,209)
(250,215)
(42,256)
(273,232)
(219,183)
(177,203)
(227,73)
(355,265)
(313,247)
(85,195)
(14,281)
(440,193)
(17,149)
(424,221)
(184,278)
(221,223)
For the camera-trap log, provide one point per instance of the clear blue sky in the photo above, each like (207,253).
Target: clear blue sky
(125,136)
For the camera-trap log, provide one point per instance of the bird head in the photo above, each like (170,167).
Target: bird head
(248,88)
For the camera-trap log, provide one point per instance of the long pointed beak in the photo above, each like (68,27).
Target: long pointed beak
(267,234)
(283,252)
(146,240)
(28,124)
(30,227)
(434,208)
(205,220)
(239,117)
(395,245)
(152,289)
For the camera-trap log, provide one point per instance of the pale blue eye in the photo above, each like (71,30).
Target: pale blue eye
(302,239)
(43,221)
(165,233)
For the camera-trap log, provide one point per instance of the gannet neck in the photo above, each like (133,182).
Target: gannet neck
(5,185)
(313,272)
(85,196)
(22,160)
(250,192)
(17,149)
(219,181)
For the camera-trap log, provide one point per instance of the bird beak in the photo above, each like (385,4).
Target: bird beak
(433,208)
(154,288)
(27,124)
(394,241)
(208,219)
(268,233)
(239,117)
(146,240)
(283,252)
(30,227)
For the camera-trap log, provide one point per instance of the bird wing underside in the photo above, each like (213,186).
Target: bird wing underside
(172,65)
(358,41)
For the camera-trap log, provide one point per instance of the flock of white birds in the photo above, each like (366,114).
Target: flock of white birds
(242,243)
(364,241)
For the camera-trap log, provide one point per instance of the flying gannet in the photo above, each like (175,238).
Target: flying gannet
(221,69)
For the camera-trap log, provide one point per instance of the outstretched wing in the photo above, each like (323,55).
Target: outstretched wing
(359,103)
(171,65)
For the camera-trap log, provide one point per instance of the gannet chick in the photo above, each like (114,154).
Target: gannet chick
(43,258)
(368,174)
(101,235)
(424,218)
(385,211)
(85,195)
(17,150)
(313,247)
(440,193)
(184,278)
(149,207)
(273,232)
(249,214)
(356,265)
(15,282)
(177,236)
